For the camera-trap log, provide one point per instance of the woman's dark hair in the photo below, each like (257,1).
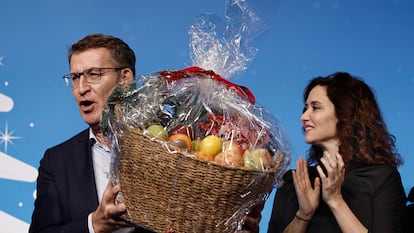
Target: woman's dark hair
(362,132)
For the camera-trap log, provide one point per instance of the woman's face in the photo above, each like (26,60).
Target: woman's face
(319,119)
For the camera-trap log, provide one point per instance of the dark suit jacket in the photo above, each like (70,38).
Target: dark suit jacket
(66,189)
(408,223)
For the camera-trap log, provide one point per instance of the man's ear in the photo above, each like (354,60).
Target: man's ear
(126,75)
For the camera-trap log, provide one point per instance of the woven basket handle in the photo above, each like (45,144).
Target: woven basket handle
(195,71)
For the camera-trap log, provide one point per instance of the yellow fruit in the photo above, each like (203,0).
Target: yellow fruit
(211,145)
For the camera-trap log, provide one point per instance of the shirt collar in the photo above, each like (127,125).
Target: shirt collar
(95,142)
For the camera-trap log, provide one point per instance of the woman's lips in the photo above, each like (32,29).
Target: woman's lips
(307,128)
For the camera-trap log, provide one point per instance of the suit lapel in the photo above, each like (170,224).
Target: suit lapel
(84,171)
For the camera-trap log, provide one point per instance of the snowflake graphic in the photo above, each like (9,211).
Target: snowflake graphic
(6,137)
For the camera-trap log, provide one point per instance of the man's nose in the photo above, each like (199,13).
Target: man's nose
(83,85)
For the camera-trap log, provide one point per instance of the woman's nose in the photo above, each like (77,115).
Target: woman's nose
(304,116)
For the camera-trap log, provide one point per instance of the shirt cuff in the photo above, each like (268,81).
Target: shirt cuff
(90,226)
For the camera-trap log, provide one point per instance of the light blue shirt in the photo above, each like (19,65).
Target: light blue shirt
(102,158)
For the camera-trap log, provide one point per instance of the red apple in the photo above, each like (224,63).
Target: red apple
(228,158)
(231,154)
(258,159)
(233,148)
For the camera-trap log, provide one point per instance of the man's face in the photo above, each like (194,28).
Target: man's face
(91,97)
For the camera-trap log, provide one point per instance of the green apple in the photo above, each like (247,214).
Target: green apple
(196,144)
(158,131)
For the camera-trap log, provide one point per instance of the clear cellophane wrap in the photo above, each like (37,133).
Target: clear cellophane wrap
(194,152)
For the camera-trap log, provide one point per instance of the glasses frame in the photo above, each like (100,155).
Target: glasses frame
(71,77)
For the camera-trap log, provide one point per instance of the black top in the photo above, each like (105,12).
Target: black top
(375,194)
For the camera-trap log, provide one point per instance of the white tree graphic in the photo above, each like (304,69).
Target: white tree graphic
(12,169)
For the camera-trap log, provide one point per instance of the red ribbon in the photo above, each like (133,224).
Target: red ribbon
(195,71)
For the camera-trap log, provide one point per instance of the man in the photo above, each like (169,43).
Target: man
(73,189)
(74,192)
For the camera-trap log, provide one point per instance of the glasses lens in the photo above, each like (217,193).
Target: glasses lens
(93,75)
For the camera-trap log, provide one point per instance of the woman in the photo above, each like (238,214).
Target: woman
(350,181)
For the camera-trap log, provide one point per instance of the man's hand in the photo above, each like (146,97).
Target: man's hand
(106,217)
(252,219)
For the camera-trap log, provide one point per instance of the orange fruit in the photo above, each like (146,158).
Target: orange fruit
(181,140)
(204,155)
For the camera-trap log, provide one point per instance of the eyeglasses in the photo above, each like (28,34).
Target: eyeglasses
(92,75)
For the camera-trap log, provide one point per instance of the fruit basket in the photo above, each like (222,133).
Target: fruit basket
(174,186)
(176,192)
(194,152)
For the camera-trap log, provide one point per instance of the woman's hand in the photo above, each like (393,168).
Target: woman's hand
(308,196)
(331,193)
(333,180)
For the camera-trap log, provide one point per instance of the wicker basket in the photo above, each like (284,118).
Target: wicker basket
(171,191)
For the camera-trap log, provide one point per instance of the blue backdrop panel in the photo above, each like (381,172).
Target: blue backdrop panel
(371,39)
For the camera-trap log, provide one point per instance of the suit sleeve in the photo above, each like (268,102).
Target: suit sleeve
(47,216)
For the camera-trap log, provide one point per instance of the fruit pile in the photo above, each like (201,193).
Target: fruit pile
(213,148)
(200,114)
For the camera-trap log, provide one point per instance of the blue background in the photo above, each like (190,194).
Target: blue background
(372,39)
